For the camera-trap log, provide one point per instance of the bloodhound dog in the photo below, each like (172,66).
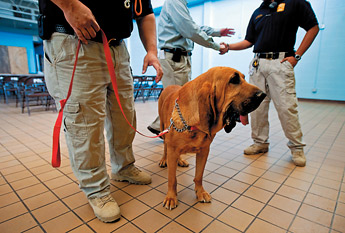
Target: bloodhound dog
(195,112)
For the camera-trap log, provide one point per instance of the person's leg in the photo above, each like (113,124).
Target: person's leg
(119,133)
(83,115)
(174,73)
(285,101)
(259,117)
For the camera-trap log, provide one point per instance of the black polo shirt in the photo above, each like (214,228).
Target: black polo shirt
(275,29)
(112,16)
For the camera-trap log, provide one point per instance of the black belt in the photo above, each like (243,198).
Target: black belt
(175,50)
(67,30)
(274,55)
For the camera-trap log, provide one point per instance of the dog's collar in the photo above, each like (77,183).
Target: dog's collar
(185,125)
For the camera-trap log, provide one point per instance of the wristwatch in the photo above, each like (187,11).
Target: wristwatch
(298,57)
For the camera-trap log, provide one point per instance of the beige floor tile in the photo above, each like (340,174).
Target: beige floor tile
(292,193)
(267,185)
(24,183)
(276,217)
(245,178)
(284,203)
(18,224)
(173,227)
(218,226)
(32,191)
(18,176)
(81,229)
(315,214)
(128,228)
(258,194)
(235,186)
(340,209)
(298,184)
(50,211)
(66,190)
(85,212)
(11,211)
(4,189)
(236,218)
(194,220)
(320,202)
(133,209)
(58,182)
(260,226)
(214,208)
(224,195)
(324,192)
(248,205)
(339,223)
(75,200)
(40,200)
(8,199)
(152,198)
(147,225)
(301,225)
(62,223)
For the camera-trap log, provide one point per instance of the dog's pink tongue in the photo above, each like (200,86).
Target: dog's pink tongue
(244,120)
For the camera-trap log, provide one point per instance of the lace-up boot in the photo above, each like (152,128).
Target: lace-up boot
(105,208)
(133,175)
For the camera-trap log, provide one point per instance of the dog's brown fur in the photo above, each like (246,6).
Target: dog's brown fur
(204,102)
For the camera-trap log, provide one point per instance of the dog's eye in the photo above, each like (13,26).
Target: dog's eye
(236,79)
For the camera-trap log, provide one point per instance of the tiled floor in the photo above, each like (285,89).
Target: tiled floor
(262,193)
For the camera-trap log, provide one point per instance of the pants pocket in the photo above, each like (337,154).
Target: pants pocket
(74,121)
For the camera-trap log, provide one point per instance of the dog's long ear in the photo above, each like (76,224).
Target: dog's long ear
(207,107)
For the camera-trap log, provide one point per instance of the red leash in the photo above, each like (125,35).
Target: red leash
(56,158)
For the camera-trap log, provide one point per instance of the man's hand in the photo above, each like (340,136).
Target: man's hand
(291,59)
(80,18)
(223,48)
(227,32)
(152,60)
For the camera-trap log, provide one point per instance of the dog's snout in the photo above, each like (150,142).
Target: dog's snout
(260,95)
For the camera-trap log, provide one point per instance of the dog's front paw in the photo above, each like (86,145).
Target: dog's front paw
(170,202)
(203,196)
(182,163)
(163,163)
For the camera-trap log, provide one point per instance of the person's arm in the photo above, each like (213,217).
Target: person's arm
(147,31)
(218,32)
(244,44)
(305,44)
(80,18)
(185,25)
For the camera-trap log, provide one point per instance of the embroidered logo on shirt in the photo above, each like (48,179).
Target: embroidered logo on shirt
(258,16)
(281,7)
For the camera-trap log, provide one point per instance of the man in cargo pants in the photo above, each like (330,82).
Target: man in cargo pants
(272,30)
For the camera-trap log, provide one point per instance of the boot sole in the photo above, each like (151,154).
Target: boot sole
(130,181)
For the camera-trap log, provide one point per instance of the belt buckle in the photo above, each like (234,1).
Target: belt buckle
(269,55)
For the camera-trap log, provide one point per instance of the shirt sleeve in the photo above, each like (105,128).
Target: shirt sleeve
(211,31)
(184,24)
(146,8)
(306,15)
(250,35)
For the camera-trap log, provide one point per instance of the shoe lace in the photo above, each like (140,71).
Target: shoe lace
(105,199)
(134,170)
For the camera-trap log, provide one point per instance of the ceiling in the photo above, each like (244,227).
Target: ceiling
(19,16)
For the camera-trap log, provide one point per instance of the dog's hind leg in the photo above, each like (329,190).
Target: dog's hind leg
(201,159)
(170,201)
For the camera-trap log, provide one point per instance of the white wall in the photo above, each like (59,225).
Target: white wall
(318,75)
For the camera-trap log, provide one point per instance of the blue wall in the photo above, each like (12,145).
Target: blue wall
(21,40)
(319,75)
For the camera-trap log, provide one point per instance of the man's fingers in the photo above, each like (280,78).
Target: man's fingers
(80,36)
(145,66)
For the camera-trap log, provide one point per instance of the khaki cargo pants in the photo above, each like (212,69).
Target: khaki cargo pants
(174,73)
(277,80)
(91,108)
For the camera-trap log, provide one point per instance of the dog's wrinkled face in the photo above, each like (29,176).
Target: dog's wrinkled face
(241,98)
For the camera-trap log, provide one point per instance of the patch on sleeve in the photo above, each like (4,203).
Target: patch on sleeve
(281,7)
